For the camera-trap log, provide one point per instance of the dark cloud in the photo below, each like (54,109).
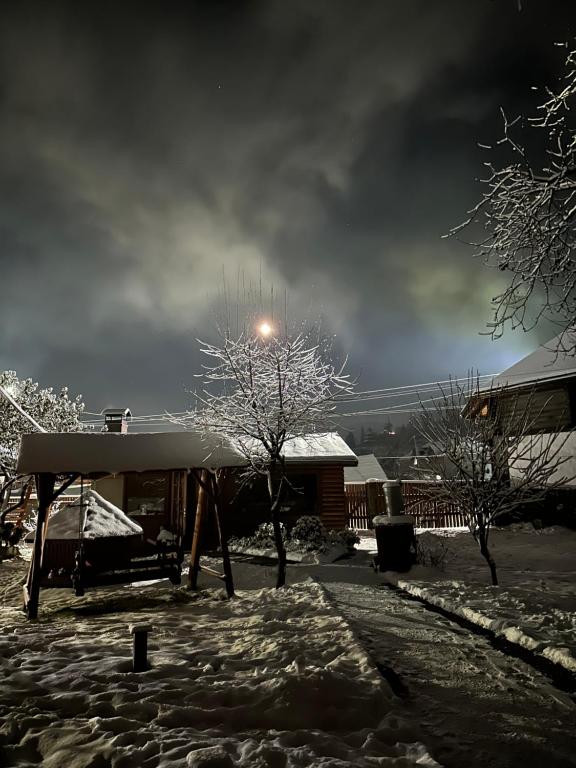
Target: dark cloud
(146,149)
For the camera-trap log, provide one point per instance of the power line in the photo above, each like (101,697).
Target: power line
(426,384)
(362,396)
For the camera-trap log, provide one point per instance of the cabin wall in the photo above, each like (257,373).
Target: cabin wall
(322,494)
(112,489)
(331,497)
(164,493)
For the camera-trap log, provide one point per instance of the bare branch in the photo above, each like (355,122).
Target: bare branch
(528,210)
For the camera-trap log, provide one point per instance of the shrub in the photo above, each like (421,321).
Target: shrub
(308,534)
(348,538)
(431,552)
(262,538)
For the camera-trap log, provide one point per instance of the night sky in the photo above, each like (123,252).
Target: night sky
(146,150)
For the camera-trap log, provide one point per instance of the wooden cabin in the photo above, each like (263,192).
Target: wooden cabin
(315,467)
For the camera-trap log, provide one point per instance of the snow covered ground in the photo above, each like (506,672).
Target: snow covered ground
(479,707)
(289,679)
(268,679)
(535,604)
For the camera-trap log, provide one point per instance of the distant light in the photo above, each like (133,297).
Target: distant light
(265,329)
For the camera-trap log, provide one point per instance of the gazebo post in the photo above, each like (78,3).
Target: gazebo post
(228,578)
(45,494)
(195,550)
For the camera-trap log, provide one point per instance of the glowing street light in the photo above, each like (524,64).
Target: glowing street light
(265,329)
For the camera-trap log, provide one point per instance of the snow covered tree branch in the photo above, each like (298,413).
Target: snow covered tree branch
(260,393)
(499,459)
(53,411)
(528,210)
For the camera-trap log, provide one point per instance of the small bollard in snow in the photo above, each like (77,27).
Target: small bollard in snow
(140,649)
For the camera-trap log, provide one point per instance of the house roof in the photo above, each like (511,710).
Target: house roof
(100,453)
(318,448)
(368,469)
(544,364)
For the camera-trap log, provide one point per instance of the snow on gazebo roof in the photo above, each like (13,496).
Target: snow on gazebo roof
(100,519)
(109,453)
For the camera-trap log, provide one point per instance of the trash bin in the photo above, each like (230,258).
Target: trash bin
(393,497)
(396,542)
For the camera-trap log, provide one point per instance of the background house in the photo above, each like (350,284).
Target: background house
(368,468)
(543,385)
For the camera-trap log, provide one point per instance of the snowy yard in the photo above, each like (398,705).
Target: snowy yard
(535,604)
(268,679)
(344,674)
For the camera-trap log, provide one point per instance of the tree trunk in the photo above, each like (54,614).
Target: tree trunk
(275,493)
(485,552)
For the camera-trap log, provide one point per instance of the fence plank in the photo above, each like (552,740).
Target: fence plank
(427,511)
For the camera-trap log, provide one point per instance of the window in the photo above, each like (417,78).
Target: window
(147,493)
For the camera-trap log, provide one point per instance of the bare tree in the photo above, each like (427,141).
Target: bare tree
(24,407)
(262,390)
(501,457)
(528,210)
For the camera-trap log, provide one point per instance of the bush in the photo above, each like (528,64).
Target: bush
(262,538)
(431,552)
(348,538)
(308,534)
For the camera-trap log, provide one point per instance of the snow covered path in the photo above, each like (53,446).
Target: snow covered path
(477,706)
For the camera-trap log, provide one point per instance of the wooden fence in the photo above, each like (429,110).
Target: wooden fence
(356,504)
(426,511)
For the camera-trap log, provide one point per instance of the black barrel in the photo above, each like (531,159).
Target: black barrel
(396,542)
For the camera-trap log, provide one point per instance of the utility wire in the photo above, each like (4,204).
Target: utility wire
(363,396)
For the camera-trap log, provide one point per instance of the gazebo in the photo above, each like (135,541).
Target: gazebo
(66,457)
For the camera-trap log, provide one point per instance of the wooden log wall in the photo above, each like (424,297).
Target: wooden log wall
(331,497)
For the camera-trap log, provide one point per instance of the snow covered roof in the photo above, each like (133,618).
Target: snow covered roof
(99,517)
(541,365)
(109,452)
(319,448)
(368,469)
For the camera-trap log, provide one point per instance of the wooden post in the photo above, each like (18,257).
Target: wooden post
(140,646)
(228,578)
(373,500)
(195,550)
(45,494)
